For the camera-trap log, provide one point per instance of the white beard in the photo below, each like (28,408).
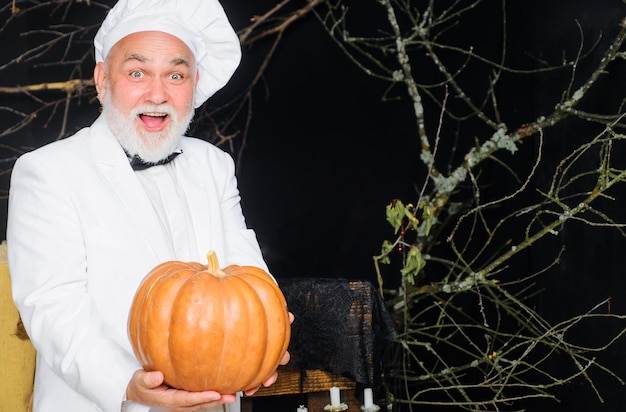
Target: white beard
(151,147)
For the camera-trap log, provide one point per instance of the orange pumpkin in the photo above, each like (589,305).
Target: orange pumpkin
(209,329)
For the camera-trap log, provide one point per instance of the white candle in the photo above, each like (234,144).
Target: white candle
(302,408)
(335,400)
(368,398)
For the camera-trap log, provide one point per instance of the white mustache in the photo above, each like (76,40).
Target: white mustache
(160,110)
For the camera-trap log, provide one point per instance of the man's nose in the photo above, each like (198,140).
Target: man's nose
(157,92)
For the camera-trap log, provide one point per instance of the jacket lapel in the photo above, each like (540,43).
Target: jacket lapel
(115,169)
(199,201)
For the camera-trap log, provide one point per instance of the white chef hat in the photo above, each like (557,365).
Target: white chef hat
(201,24)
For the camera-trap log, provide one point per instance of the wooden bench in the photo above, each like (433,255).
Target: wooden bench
(314,385)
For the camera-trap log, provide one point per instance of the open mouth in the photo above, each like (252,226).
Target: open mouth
(154,121)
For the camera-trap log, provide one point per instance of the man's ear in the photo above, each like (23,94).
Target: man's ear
(99,78)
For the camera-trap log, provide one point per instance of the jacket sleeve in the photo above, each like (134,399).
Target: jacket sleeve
(218,211)
(242,247)
(50,286)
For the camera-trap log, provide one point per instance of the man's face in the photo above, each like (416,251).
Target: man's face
(147,90)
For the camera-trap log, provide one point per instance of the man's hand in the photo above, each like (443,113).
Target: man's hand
(147,388)
(272,378)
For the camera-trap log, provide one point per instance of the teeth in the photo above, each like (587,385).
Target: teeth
(155,114)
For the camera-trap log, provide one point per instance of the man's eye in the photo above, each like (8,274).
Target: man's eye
(136,74)
(176,76)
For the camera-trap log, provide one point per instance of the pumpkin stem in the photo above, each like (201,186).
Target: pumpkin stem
(214,265)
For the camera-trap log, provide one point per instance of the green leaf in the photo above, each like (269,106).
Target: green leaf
(413,264)
(413,221)
(427,216)
(395,213)
(386,249)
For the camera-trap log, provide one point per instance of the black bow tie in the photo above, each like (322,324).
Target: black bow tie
(137,163)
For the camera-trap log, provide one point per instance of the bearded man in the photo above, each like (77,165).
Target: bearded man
(92,214)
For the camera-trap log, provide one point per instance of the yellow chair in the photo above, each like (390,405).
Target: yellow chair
(17,354)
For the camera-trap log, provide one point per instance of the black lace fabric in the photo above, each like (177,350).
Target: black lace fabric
(341,326)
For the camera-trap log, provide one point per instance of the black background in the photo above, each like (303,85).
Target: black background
(325,154)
